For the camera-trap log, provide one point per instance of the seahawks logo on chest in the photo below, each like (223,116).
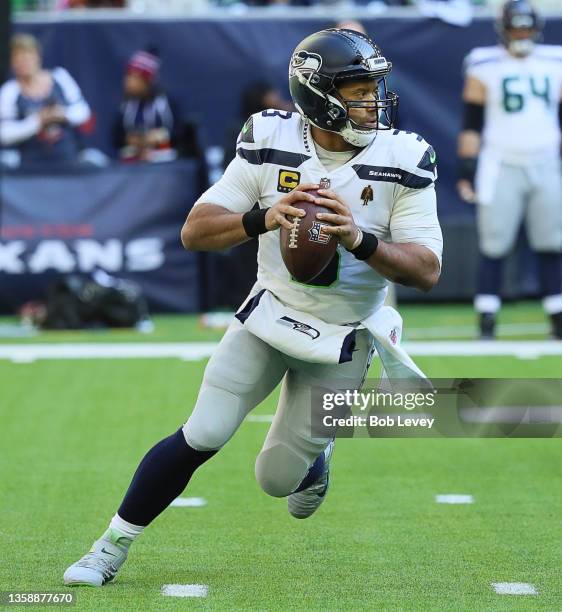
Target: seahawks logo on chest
(367,195)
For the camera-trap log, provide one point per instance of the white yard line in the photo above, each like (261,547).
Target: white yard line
(524,415)
(260,418)
(479,348)
(195,351)
(188,502)
(454,498)
(185,590)
(188,351)
(514,588)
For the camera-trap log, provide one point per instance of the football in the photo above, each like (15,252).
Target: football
(305,248)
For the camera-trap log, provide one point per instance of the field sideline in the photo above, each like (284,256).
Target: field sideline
(74,430)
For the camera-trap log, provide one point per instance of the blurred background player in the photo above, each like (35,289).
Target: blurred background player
(509,153)
(40,109)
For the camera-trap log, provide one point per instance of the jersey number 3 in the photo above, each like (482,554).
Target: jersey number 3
(514,101)
(277,113)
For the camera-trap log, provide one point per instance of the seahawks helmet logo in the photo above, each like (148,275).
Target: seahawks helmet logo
(304,63)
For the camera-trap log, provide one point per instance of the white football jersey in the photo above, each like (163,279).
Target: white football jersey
(522,98)
(389,187)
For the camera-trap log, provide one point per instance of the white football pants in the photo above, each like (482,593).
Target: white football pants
(241,373)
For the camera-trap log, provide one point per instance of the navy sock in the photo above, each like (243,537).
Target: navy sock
(161,476)
(550,273)
(490,275)
(313,474)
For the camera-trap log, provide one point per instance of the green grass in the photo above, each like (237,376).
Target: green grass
(73,432)
(420,321)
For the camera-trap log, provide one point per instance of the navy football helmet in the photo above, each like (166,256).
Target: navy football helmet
(324,60)
(519,15)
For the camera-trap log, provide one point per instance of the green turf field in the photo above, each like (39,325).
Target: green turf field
(524,320)
(74,431)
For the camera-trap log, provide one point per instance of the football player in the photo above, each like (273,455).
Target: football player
(509,153)
(379,184)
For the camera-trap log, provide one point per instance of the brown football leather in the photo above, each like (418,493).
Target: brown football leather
(305,249)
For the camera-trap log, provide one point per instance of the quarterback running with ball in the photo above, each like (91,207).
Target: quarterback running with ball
(378,183)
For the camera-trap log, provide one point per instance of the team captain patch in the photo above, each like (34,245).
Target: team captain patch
(288,180)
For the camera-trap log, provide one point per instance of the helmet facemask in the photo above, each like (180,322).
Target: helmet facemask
(384,105)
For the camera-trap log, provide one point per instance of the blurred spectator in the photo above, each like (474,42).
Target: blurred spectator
(145,129)
(40,110)
(46,5)
(351,24)
(83,4)
(268,2)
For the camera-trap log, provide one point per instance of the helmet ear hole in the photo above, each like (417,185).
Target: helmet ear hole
(334,111)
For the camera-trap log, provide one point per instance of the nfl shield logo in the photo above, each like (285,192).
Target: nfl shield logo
(393,336)
(315,233)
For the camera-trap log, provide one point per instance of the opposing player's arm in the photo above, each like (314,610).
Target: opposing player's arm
(474,99)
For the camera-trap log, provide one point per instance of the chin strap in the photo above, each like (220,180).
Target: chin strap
(356,138)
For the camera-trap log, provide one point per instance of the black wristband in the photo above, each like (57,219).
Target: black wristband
(467,168)
(473,117)
(367,247)
(254,222)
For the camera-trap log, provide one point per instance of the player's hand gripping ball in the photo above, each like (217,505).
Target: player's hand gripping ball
(307,249)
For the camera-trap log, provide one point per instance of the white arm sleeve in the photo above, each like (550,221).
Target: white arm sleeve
(77,110)
(238,189)
(12,129)
(13,132)
(414,219)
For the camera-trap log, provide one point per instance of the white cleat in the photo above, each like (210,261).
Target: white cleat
(101,564)
(303,504)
